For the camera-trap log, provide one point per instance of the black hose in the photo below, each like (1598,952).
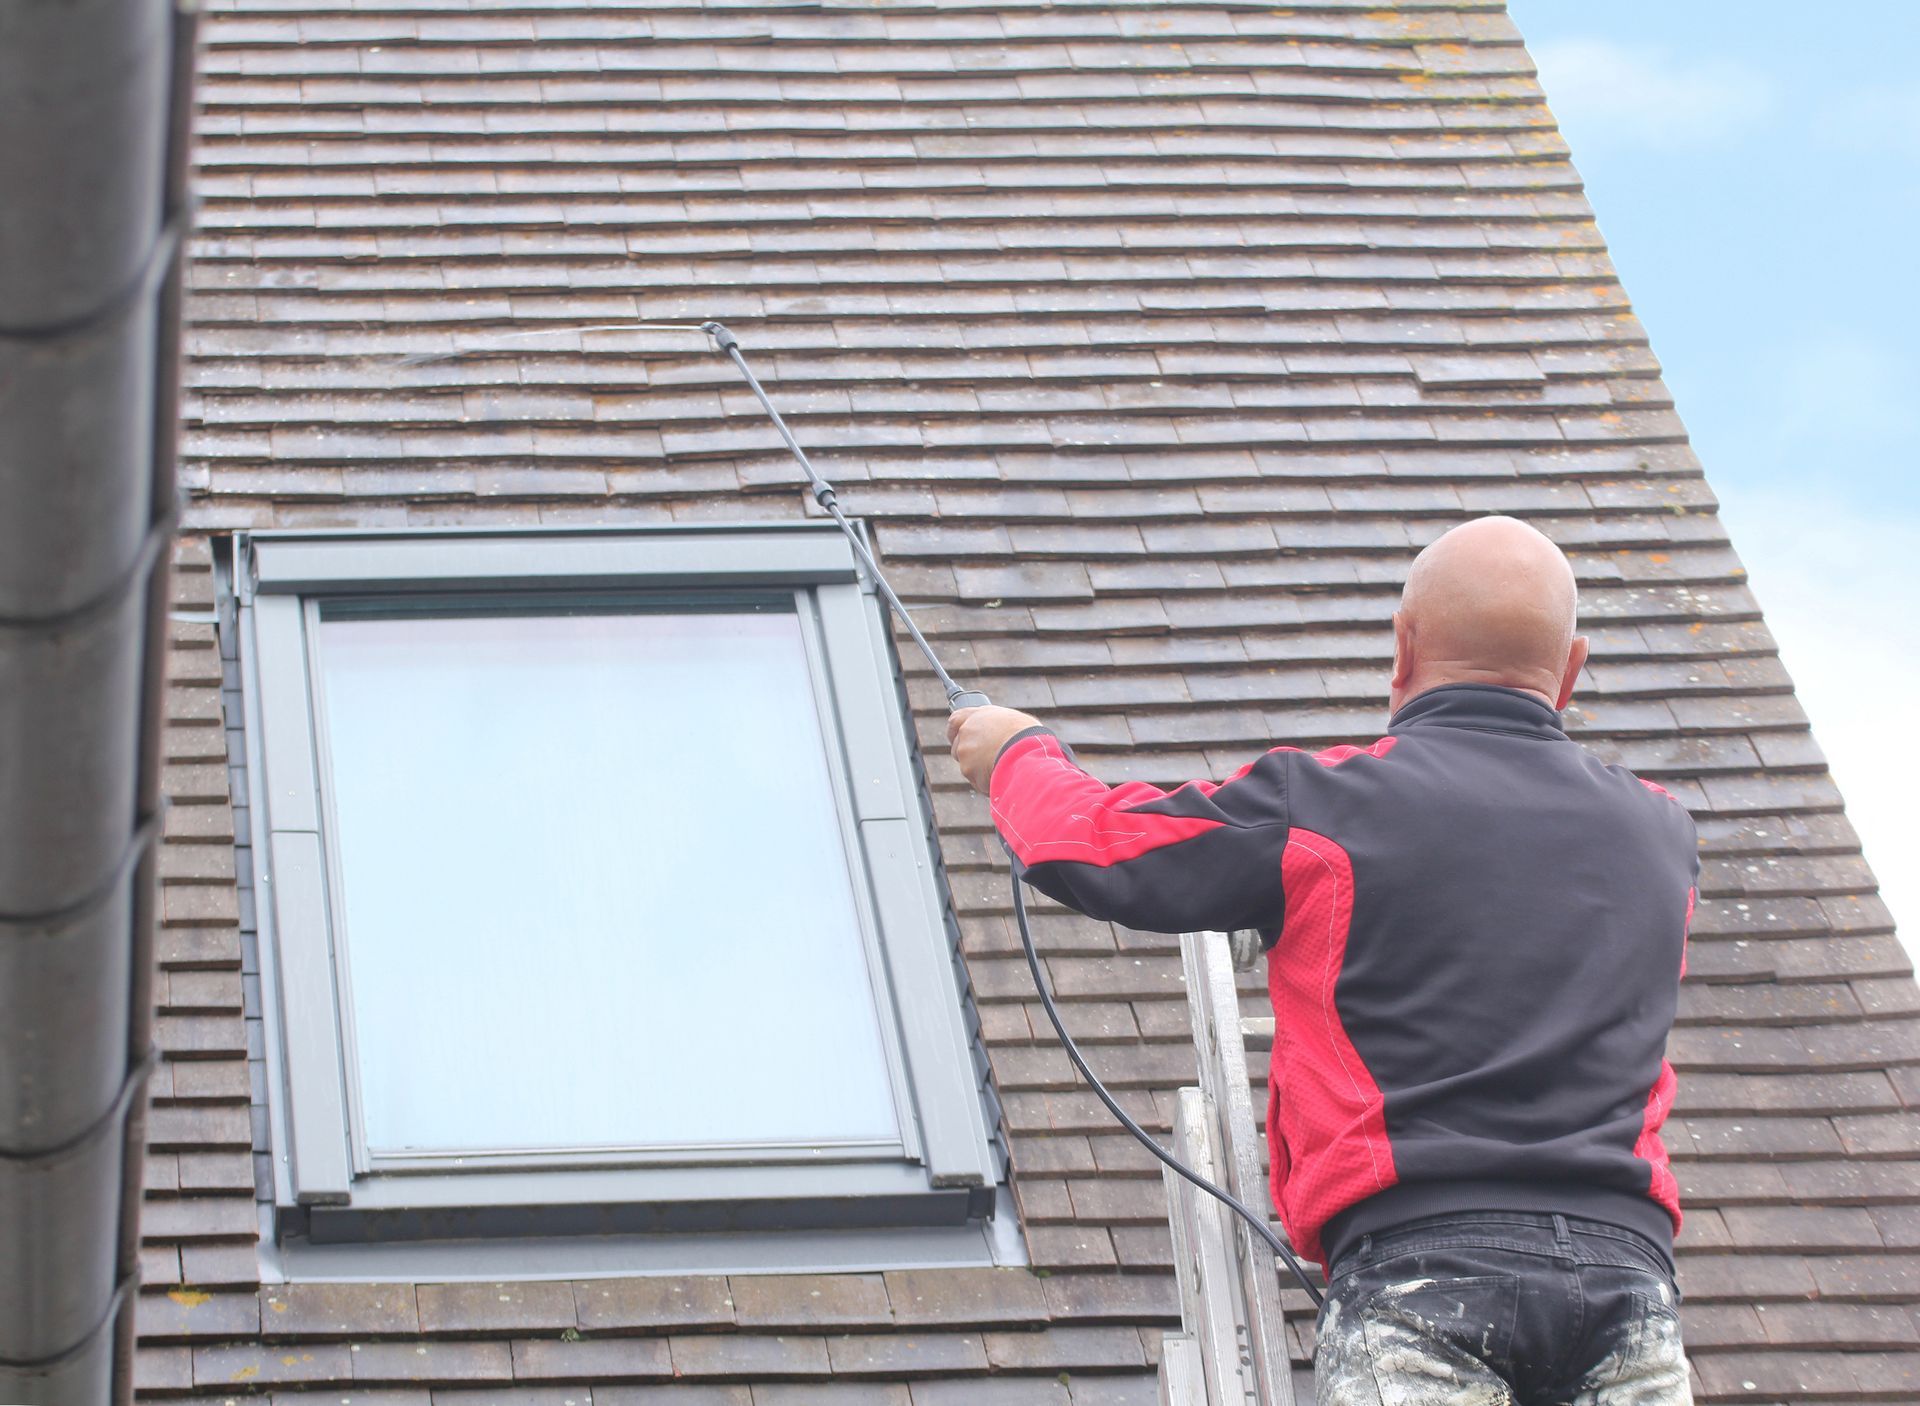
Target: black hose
(958,698)
(1220,1194)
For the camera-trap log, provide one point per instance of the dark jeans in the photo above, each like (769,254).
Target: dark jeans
(1501,1308)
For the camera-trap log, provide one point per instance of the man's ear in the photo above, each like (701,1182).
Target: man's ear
(1576,661)
(1402,649)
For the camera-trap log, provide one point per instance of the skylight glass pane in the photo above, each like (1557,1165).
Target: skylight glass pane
(595,886)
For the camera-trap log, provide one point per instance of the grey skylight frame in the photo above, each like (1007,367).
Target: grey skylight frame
(946,1168)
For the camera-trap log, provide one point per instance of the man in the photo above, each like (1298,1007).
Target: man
(1475,937)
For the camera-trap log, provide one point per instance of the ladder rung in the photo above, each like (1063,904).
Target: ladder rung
(1257,1031)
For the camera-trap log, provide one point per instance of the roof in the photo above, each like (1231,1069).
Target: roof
(1153,340)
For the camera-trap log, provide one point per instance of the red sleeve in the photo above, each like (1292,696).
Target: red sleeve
(1203,857)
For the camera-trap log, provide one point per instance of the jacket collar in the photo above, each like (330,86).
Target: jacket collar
(1481,707)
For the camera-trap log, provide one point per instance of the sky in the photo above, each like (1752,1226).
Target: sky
(1757,178)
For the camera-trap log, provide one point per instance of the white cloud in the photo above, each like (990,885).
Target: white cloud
(1601,90)
(1840,592)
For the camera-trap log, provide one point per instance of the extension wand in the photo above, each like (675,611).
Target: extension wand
(957,698)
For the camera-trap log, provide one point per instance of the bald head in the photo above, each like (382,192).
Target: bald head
(1493,601)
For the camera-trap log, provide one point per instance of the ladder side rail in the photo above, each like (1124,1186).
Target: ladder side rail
(1183,1382)
(1182,1224)
(1214,1002)
(1220,1323)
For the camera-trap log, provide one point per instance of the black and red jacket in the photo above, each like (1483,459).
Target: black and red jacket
(1475,937)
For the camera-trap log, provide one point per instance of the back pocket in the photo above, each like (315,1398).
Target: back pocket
(1467,1317)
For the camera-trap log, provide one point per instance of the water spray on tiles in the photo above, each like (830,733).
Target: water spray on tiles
(958,697)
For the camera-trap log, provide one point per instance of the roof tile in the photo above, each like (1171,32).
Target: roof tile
(212,1266)
(1134,1299)
(319,1310)
(1065,1348)
(470,1308)
(831,1394)
(423,1361)
(749,1356)
(967,1298)
(1000,1391)
(160,1264)
(1136,1390)
(690,1301)
(810,1301)
(163,1369)
(1069,1247)
(917,1354)
(186,1315)
(514,1396)
(236,1367)
(591,1360)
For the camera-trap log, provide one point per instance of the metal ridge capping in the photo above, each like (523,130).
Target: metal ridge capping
(95,96)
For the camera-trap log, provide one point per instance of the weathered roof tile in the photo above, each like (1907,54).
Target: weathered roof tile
(469,1308)
(914,1354)
(749,1356)
(431,1362)
(1002,1391)
(1134,1299)
(231,1368)
(186,1315)
(676,1395)
(967,1298)
(831,1394)
(810,1301)
(591,1360)
(319,1310)
(1072,1348)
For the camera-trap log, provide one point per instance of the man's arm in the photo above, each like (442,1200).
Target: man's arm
(1202,857)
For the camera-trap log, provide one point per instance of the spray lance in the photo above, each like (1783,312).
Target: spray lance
(958,697)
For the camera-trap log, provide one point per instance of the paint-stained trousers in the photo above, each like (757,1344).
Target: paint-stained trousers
(1497,1308)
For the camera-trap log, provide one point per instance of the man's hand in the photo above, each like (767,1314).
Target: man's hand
(977,735)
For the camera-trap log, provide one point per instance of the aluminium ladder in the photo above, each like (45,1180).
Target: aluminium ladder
(1231,1349)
